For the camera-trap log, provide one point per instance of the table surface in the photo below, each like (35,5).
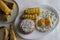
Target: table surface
(55,34)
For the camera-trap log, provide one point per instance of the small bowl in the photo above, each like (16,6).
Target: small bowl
(14,13)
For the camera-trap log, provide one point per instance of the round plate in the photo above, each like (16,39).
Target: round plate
(35,34)
(14,13)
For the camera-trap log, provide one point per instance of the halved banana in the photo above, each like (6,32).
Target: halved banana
(5,37)
(12,34)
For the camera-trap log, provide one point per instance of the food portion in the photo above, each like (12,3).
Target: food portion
(41,22)
(6,9)
(31,13)
(4,17)
(27,26)
(4,33)
(11,5)
(12,34)
(46,21)
(7,17)
(33,17)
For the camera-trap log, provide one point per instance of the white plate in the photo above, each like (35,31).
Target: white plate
(35,34)
(14,13)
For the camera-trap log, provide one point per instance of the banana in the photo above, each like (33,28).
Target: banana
(5,37)
(12,34)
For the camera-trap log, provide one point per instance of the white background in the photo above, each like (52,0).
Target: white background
(54,35)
